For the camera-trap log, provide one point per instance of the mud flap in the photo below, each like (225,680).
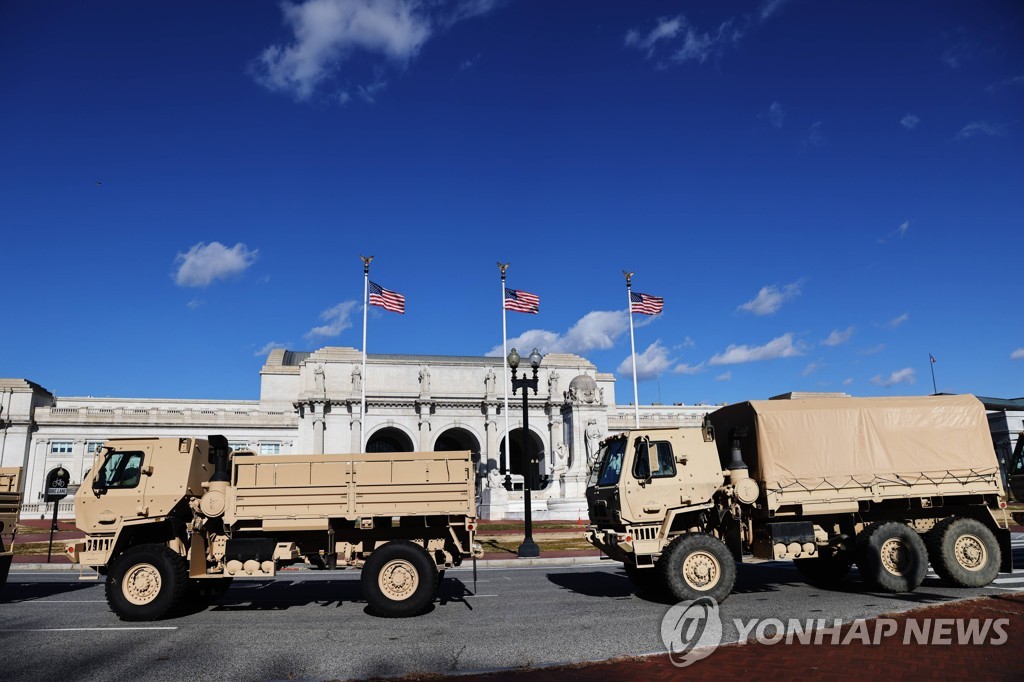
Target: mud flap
(732,537)
(1005,549)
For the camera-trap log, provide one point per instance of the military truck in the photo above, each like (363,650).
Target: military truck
(171,521)
(10,506)
(888,484)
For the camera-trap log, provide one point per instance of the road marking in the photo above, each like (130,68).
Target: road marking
(84,629)
(482,595)
(60,601)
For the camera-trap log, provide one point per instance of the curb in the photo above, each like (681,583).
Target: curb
(466,565)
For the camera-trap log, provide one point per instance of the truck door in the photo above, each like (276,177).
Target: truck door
(1015,478)
(650,493)
(121,484)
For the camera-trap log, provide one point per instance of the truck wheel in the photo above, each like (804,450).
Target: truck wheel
(964,552)
(146,582)
(893,557)
(399,579)
(826,572)
(697,565)
(647,581)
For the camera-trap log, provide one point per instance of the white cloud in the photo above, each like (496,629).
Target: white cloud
(900,376)
(780,347)
(1008,83)
(814,137)
(980,128)
(873,350)
(204,263)
(812,367)
(688,369)
(897,321)
(776,114)
(770,298)
(909,121)
(325,33)
(847,381)
(336,319)
(838,338)
(194,303)
(597,329)
(269,346)
(902,229)
(770,7)
(727,376)
(649,364)
(1017,354)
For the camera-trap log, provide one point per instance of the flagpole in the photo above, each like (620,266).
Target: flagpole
(504,360)
(931,363)
(632,345)
(362,384)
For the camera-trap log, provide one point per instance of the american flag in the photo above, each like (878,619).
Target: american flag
(646,304)
(522,301)
(389,300)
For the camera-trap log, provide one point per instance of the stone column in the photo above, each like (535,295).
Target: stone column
(357,422)
(318,427)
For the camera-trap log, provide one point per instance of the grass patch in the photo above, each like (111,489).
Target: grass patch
(38,548)
(511,546)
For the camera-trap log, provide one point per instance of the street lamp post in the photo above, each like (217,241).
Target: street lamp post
(529,548)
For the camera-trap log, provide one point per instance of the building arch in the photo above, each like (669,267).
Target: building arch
(460,438)
(536,455)
(390,438)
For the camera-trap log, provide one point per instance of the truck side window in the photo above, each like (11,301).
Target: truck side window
(1017,466)
(120,470)
(666,462)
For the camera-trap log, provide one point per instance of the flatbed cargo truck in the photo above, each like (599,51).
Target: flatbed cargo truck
(171,521)
(888,484)
(10,507)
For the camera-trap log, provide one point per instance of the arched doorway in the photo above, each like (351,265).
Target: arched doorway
(389,439)
(534,458)
(460,439)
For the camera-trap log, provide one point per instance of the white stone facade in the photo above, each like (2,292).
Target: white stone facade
(310,403)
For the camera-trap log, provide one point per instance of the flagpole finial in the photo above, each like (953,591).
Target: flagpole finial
(504,267)
(366,262)
(629,277)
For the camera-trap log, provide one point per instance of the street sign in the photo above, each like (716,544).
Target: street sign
(57,484)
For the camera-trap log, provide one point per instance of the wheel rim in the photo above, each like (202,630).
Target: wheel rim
(141,584)
(398,579)
(895,556)
(701,571)
(970,552)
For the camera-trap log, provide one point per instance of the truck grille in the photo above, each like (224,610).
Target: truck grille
(644,532)
(98,544)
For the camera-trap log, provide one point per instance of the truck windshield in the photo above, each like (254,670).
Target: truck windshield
(611,456)
(120,470)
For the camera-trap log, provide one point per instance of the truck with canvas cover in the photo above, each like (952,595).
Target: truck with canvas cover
(171,521)
(10,506)
(888,484)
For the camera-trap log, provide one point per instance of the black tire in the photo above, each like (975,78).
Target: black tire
(892,557)
(399,579)
(964,552)
(697,565)
(647,581)
(146,582)
(825,571)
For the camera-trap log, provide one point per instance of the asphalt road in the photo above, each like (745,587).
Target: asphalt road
(313,625)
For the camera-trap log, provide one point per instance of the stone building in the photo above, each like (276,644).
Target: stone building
(311,403)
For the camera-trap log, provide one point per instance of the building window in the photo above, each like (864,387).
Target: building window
(61,447)
(238,445)
(92,447)
(270,448)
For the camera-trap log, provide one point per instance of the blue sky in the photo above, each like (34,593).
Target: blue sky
(823,192)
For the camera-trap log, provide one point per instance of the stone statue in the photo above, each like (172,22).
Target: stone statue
(357,380)
(424,380)
(489,381)
(553,383)
(494,479)
(593,434)
(318,379)
(559,457)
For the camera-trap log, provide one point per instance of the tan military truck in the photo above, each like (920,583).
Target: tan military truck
(888,484)
(173,520)
(10,506)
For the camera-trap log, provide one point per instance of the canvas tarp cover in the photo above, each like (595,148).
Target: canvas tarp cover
(826,438)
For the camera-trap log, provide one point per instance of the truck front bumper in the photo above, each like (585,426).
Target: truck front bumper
(613,543)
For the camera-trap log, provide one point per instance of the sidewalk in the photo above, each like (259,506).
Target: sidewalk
(890,659)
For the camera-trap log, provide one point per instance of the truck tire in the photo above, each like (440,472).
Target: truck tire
(825,572)
(648,581)
(5,569)
(146,582)
(892,557)
(697,565)
(399,579)
(964,552)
